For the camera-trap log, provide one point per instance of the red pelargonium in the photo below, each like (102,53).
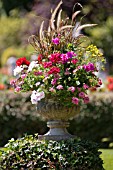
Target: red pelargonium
(55,58)
(54,70)
(22,61)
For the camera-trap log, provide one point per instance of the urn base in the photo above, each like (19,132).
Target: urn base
(57,131)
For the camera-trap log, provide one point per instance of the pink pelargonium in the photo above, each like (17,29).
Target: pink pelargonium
(56,40)
(74,61)
(55,58)
(47,64)
(54,70)
(75,100)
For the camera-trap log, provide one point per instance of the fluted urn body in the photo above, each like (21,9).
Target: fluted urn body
(57,116)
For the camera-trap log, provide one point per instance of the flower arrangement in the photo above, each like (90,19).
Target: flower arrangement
(65,67)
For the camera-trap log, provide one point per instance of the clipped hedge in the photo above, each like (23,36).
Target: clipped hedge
(30,153)
(18,117)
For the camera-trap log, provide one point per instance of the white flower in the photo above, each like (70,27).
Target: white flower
(37,96)
(17,70)
(32,65)
(37,84)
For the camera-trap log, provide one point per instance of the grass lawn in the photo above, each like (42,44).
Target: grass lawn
(107,156)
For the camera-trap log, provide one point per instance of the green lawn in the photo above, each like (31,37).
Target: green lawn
(107,156)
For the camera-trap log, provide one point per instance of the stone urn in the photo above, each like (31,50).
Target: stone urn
(57,116)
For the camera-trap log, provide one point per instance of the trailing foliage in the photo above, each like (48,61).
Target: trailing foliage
(30,153)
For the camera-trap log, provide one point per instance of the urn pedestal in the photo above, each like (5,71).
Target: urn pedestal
(57,116)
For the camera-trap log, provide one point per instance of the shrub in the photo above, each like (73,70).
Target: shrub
(30,153)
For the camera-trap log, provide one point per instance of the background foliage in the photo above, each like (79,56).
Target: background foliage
(18,117)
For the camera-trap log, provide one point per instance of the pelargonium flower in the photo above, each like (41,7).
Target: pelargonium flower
(75,100)
(47,64)
(74,61)
(54,70)
(64,58)
(22,61)
(55,58)
(56,41)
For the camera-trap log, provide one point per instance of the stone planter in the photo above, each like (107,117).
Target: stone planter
(57,117)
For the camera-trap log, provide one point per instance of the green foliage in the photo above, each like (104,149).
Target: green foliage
(95,122)
(30,153)
(10,31)
(104,33)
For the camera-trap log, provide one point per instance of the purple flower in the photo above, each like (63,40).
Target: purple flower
(64,58)
(56,41)
(70,54)
(75,100)
(89,67)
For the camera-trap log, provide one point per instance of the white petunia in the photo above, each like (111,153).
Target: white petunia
(32,65)
(37,96)
(17,70)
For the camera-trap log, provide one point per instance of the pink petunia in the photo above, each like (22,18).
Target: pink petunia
(72,89)
(75,100)
(59,87)
(53,81)
(82,94)
(86,99)
(85,86)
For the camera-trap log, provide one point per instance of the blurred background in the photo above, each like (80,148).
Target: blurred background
(19,20)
